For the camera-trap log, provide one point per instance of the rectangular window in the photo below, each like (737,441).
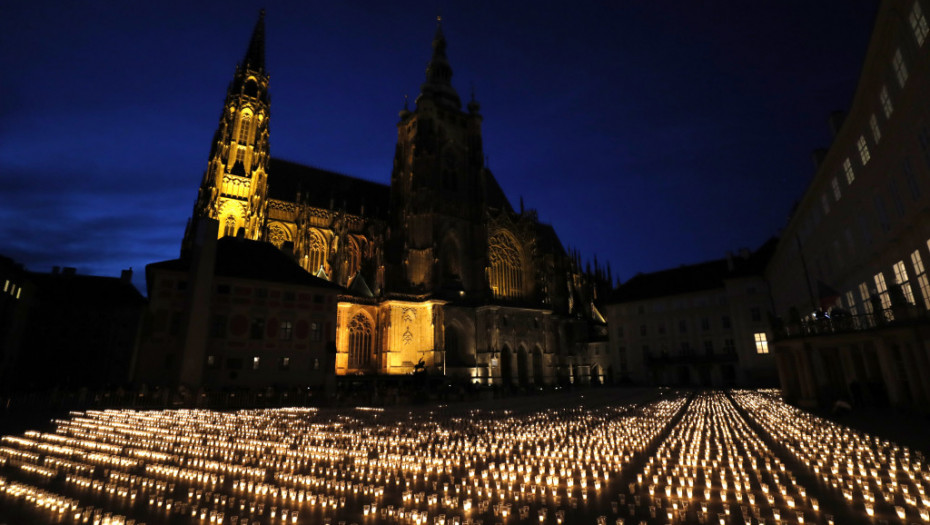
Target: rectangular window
(825,202)
(316,331)
(682,326)
(900,68)
(725,321)
(258,328)
(918,24)
(863,148)
(922,281)
(686,349)
(218,326)
(284,363)
(848,170)
(709,347)
(924,138)
(866,298)
(729,346)
(287,330)
(240,156)
(762,344)
(876,131)
(705,323)
(882,212)
(255,363)
(642,329)
(882,289)
(851,303)
(895,196)
(911,180)
(836,189)
(661,328)
(901,279)
(887,108)
(233,363)
(212,362)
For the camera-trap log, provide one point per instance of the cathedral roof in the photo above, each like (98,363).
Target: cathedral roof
(327,189)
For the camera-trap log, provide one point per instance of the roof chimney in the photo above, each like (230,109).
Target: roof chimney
(125,276)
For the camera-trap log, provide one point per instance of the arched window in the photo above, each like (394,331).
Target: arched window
(244,125)
(230,230)
(360,338)
(506,277)
(317,252)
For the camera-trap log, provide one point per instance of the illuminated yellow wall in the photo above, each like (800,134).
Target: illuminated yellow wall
(406,332)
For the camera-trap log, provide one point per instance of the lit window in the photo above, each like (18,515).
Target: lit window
(244,129)
(876,131)
(901,279)
(922,280)
(506,276)
(360,341)
(886,102)
(762,344)
(212,362)
(18,291)
(284,363)
(287,330)
(255,362)
(864,294)
(882,288)
(851,303)
(848,170)
(230,230)
(836,189)
(864,154)
(900,68)
(918,23)
(6,286)
(825,202)
(316,331)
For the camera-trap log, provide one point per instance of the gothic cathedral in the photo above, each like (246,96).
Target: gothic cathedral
(439,269)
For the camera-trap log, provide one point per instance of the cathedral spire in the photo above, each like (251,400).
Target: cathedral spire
(255,54)
(438,85)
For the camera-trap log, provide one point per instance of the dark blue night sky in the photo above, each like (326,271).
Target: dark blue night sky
(649,133)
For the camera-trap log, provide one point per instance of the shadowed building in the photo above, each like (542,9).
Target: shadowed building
(849,278)
(442,269)
(704,324)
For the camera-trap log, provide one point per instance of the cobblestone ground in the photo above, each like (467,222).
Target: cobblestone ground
(601,458)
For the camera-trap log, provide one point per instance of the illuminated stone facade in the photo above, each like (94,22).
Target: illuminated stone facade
(440,267)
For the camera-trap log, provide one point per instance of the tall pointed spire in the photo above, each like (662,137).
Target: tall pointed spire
(438,85)
(255,54)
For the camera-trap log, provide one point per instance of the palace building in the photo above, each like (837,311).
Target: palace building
(439,267)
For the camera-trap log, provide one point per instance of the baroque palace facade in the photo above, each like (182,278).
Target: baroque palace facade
(440,268)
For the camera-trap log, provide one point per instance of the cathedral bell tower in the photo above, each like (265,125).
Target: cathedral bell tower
(437,187)
(234,186)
